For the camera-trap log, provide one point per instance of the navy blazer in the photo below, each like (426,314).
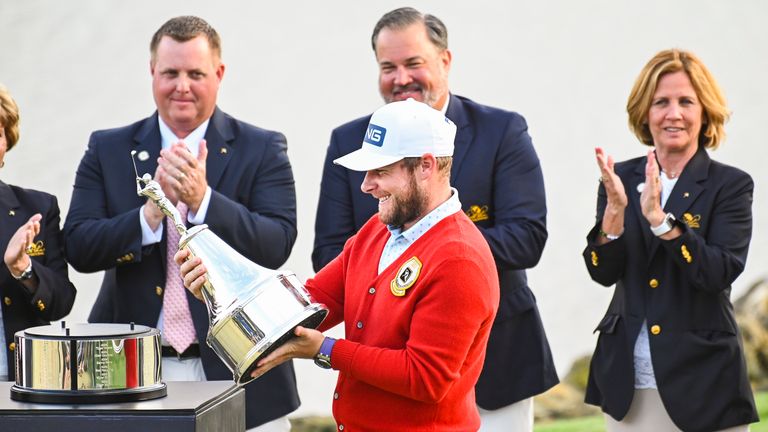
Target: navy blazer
(501,188)
(681,287)
(252,208)
(55,294)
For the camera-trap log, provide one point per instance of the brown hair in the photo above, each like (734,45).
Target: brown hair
(9,117)
(715,112)
(404,17)
(184,28)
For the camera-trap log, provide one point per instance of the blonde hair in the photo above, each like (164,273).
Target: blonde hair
(9,117)
(715,112)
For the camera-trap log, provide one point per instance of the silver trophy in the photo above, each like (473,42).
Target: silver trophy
(252,310)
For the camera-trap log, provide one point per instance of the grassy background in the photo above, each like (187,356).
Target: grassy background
(579,424)
(597,424)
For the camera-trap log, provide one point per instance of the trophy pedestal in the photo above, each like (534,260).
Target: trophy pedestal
(190,406)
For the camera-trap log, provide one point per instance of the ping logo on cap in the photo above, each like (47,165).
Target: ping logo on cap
(375,135)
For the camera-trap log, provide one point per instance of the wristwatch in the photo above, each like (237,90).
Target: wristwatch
(666,225)
(610,237)
(323,357)
(26,274)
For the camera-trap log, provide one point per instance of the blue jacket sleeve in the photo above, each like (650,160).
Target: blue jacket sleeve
(261,223)
(94,239)
(605,263)
(712,264)
(519,232)
(55,294)
(334,222)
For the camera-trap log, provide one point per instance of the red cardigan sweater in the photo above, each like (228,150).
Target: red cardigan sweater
(410,361)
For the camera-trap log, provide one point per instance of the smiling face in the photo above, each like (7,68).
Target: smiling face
(401,201)
(185,82)
(675,116)
(411,66)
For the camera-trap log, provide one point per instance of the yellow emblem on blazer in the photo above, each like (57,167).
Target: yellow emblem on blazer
(125,258)
(691,220)
(36,249)
(406,277)
(594,259)
(477,213)
(686,255)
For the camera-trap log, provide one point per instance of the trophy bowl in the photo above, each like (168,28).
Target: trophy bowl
(252,310)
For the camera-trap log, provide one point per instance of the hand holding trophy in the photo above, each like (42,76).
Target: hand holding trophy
(251,309)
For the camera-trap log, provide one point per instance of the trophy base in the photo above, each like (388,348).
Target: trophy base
(87,397)
(241,342)
(313,321)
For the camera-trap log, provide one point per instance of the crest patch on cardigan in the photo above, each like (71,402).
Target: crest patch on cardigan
(406,276)
(36,249)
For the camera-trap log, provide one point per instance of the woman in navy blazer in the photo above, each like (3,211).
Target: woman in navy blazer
(34,284)
(672,233)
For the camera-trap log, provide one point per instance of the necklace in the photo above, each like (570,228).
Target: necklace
(670,174)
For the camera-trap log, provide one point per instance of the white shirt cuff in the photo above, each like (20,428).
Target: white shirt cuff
(199,217)
(148,236)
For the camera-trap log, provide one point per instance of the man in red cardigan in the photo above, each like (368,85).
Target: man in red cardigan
(416,287)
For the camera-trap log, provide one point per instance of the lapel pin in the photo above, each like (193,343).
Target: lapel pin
(686,194)
(143,155)
(640,187)
(223,150)
(11,213)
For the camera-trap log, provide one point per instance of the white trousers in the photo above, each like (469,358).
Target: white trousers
(647,413)
(191,369)
(517,417)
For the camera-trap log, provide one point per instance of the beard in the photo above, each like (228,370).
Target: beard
(428,97)
(406,207)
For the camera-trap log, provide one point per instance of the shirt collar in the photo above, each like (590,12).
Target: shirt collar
(449,207)
(444,109)
(168,138)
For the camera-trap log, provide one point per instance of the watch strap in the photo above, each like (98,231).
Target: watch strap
(323,356)
(26,274)
(666,225)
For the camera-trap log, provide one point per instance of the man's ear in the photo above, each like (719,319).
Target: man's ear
(428,165)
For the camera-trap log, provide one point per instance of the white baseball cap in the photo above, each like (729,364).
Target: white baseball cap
(399,130)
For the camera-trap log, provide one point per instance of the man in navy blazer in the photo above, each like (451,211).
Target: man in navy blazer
(499,179)
(234,177)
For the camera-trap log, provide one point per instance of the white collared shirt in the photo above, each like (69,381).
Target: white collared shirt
(444,109)
(167,139)
(400,240)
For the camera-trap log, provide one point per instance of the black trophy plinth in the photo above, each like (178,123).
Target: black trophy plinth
(190,406)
